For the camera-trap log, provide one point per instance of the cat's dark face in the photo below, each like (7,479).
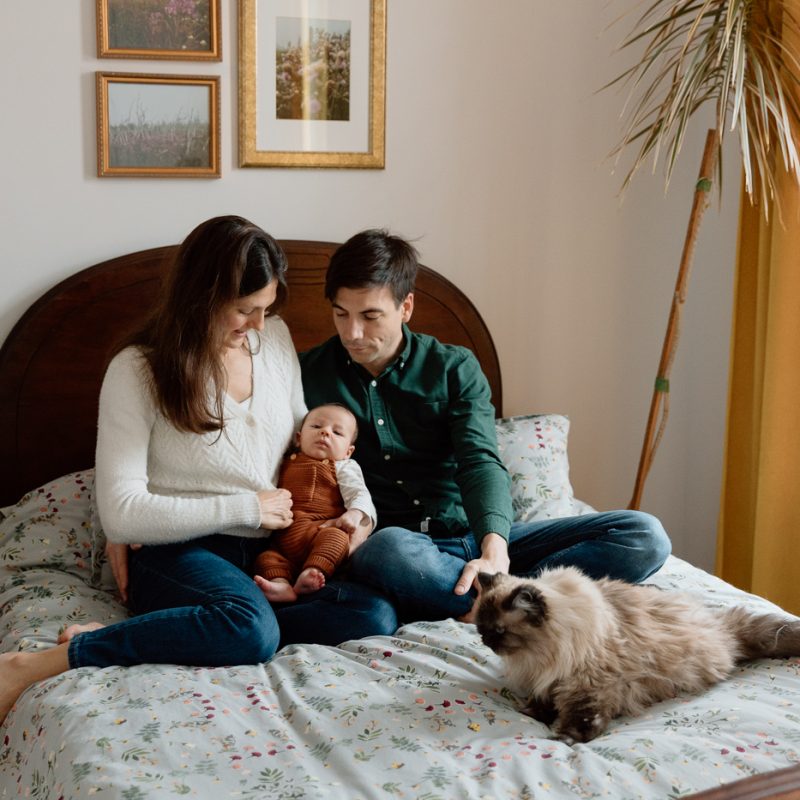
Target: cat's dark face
(508,611)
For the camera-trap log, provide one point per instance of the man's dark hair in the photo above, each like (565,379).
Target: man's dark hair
(373,258)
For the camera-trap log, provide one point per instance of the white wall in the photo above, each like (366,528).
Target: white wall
(495,151)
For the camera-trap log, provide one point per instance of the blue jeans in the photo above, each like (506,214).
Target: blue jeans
(419,573)
(196,603)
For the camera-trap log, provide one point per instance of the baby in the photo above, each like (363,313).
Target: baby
(326,486)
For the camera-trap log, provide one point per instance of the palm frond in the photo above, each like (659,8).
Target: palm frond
(731,53)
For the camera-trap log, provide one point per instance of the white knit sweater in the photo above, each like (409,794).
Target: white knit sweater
(155,484)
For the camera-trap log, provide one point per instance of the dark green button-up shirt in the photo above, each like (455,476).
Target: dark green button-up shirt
(426,443)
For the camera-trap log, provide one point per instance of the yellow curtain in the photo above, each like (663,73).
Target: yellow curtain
(758,545)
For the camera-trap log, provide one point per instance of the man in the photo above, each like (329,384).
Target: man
(428,450)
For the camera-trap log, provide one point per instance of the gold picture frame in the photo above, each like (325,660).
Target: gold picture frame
(158,126)
(312,83)
(176,30)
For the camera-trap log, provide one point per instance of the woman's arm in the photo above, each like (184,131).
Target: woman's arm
(297,400)
(129,512)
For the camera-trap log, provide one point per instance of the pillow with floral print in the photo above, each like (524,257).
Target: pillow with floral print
(53,572)
(534,449)
(52,526)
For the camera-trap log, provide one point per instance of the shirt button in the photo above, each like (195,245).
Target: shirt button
(416,502)
(373,383)
(387,457)
(399,483)
(250,421)
(380,422)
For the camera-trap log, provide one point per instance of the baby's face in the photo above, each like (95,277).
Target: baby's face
(328,432)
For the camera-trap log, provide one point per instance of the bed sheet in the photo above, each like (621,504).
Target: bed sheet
(422,714)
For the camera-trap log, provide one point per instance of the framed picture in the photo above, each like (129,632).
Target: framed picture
(312,83)
(158,125)
(186,30)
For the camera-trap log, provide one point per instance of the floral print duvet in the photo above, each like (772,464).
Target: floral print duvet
(423,714)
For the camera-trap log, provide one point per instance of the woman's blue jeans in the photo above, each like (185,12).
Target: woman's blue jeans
(196,603)
(419,572)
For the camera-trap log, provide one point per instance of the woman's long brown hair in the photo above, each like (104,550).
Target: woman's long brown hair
(221,260)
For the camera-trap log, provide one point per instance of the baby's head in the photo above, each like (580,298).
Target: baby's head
(328,431)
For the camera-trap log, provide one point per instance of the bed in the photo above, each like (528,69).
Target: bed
(422,714)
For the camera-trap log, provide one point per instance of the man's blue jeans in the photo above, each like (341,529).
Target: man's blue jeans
(196,604)
(419,573)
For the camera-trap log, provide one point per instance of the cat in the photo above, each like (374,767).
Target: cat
(586,651)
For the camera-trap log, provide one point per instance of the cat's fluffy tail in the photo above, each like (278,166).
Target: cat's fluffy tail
(763,635)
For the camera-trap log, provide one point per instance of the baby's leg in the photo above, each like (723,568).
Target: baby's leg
(328,550)
(309,580)
(278,590)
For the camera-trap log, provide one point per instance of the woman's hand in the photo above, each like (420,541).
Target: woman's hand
(276,509)
(117,555)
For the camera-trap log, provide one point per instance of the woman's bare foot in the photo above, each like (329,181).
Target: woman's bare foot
(18,671)
(11,687)
(278,590)
(309,580)
(74,630)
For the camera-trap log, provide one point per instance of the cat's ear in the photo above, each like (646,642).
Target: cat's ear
(531,601)
(489,580)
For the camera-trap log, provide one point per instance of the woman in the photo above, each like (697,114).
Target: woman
(193,421)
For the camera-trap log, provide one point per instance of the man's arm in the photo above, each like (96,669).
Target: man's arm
(481,476)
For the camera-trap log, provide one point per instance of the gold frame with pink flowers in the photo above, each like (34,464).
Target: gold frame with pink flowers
(312,83)
(176,30)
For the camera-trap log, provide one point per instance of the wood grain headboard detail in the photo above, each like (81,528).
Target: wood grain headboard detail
(52,363)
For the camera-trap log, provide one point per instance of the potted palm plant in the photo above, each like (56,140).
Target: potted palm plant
(741,57)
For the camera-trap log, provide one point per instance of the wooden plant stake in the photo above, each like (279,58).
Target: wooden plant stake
(659,405)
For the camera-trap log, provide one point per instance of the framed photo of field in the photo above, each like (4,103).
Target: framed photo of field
(312,83)
(187,30)
(163,126)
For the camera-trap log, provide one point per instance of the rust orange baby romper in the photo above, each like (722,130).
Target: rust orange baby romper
(315,498)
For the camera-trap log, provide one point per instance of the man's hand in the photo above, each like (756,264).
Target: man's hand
(117,555)
(494,558)
(350,520)
(355,523)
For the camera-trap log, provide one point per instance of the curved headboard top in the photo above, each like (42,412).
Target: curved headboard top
(52,363)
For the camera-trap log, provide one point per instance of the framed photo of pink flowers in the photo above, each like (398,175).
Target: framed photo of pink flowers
(158,126)
(187,30)
(312,83)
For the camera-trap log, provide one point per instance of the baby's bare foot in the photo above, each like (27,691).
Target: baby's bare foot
(277,591)
(74,630)
(309,580)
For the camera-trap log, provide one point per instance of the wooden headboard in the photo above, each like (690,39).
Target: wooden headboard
(52,363)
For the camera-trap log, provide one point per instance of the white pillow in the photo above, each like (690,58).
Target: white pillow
(534,449)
